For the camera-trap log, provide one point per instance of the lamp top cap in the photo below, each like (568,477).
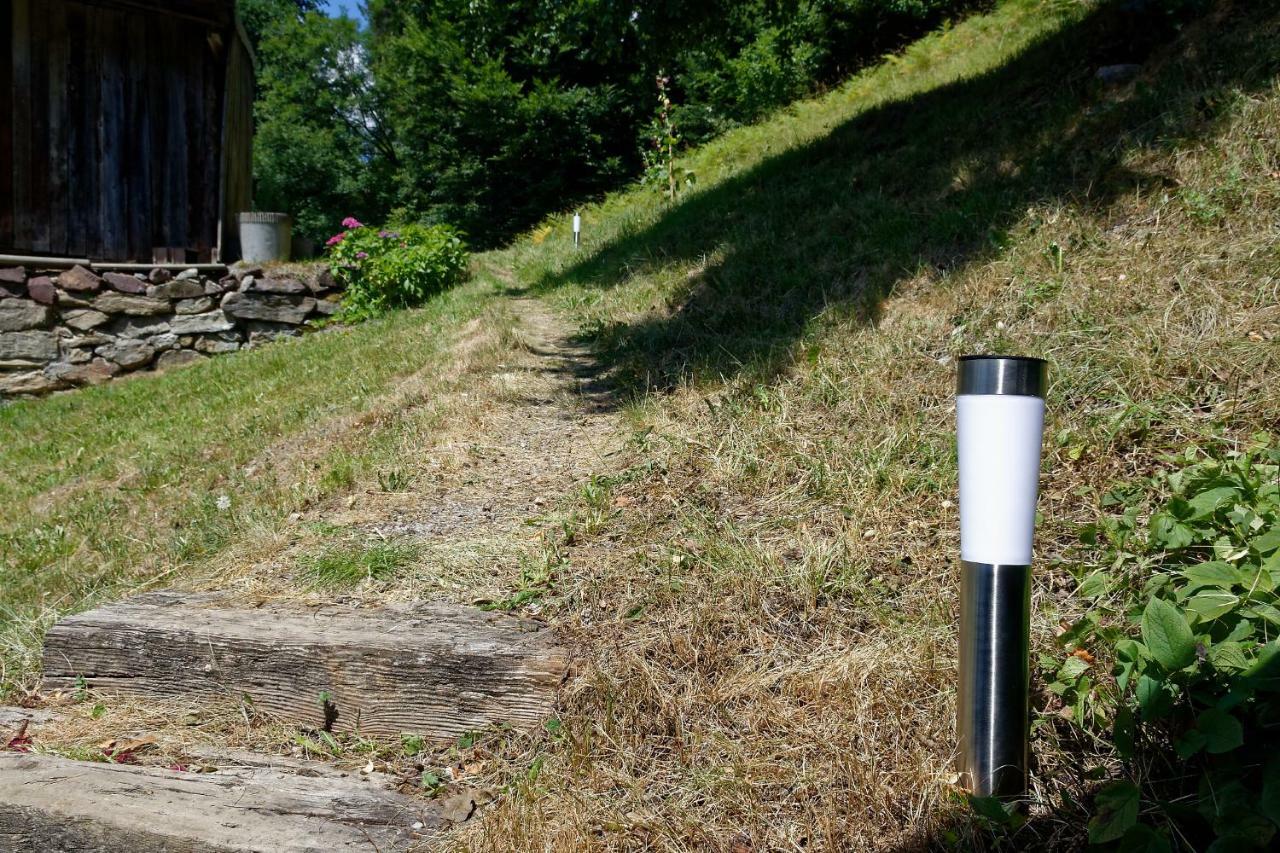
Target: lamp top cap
(1018,375)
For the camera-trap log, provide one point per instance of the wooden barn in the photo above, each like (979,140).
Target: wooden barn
(125,129)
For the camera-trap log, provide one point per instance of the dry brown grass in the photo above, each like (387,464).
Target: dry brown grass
(765,624)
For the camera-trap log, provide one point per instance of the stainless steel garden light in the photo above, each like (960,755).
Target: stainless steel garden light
(1000,424)
(577,229)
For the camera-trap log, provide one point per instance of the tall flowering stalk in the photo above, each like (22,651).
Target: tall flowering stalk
(666,140)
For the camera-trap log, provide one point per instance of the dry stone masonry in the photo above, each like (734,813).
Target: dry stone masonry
(65,328)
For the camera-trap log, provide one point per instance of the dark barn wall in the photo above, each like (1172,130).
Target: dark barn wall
(237,144)
(112,123)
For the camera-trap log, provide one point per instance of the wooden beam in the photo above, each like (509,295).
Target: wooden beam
(51,803)
(439,670)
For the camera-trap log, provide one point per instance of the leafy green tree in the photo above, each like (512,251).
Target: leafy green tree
(322,151)
(487,115)
(259,16)
(505,111)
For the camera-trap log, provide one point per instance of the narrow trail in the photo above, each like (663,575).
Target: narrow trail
(470,496)
(550,425)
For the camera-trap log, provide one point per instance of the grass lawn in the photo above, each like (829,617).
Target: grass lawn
(128,484)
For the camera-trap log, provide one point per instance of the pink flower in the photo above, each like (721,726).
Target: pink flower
(351,222)
(336,239)
(361,255)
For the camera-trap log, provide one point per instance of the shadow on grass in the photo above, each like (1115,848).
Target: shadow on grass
(932,181)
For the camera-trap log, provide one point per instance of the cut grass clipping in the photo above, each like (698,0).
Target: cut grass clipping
(350,565)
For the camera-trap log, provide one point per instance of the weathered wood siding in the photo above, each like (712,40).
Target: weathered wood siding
(111,127)
(237,144)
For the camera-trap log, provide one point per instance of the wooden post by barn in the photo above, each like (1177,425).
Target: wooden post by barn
(125,129)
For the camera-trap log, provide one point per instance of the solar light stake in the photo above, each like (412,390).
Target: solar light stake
(577,227)
(1000,424)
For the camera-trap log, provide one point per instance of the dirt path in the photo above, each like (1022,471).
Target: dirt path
(472,493)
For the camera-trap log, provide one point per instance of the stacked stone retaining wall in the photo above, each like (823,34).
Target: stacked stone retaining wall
(64,328)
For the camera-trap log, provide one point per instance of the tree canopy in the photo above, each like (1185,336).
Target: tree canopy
(488,115)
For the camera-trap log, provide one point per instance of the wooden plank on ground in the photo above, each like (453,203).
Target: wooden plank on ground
(54,804)
(438,670)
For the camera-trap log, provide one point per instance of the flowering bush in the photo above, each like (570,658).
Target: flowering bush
(394,267)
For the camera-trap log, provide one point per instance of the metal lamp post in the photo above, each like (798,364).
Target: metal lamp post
(1000,424)
(577,229)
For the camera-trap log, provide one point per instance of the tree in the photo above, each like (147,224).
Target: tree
(488,114)
(321,145)
(259,16)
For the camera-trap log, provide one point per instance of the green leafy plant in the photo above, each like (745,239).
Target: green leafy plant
(1186,608)
(394,480)
(386,268)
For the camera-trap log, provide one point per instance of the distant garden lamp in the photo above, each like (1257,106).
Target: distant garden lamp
(1000,425)
(577,229)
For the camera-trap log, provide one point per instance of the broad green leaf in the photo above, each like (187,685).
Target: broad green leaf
(1190,743)
(1222,731)
(1093,586)
(1128,655)
(1208,502)
(1117,812)
(1267,542)
(1153,698)
(1263,611)
(1242,631)
(1230,844)
(1170,533)
(1125,732)
(1212,603)
(1259,580)
(1218,574)
(1143,839)
(1226,548)
(1264,673)
(1248,831)
(1167,635)
(993,809)
(1072,668)
(1229,655)
(1156,584)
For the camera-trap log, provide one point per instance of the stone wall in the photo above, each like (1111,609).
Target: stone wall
(64,328)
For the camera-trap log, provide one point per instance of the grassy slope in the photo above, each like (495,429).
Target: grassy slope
(116,487)
(764,620)
(766,624)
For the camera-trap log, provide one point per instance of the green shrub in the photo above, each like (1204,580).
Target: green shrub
(1186,607)
(395,267)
